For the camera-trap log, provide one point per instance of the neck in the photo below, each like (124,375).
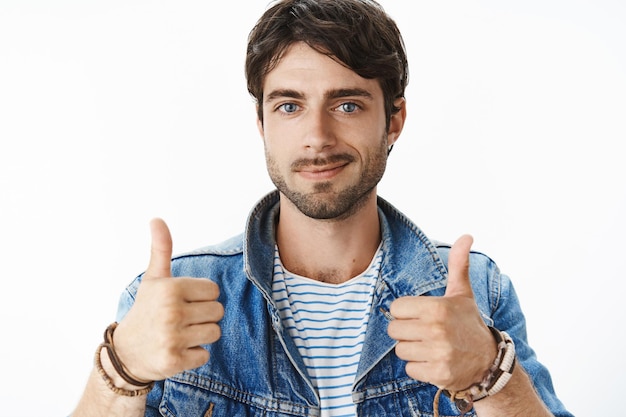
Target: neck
(332,251)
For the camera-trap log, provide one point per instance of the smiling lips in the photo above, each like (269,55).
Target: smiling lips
(321,168)
(321,173)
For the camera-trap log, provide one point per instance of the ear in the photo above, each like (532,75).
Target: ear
(396,123)
(259,124)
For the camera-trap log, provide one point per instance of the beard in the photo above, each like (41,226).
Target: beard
(325,202)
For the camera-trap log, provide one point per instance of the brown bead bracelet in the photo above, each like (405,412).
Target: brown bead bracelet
(145,386)
(494,380)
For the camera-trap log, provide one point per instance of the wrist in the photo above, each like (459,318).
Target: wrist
(109,369)
(113,372)
(494,379)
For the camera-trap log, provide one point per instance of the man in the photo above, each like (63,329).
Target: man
(332,302)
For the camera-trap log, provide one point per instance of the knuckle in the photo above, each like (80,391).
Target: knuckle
(440,310)
(402,307)
(413,370)
(395,307)
(404,350)
(218,311)
(199,358)
(170,363)
(203,357)
(215,333)
(173,316)
(438,331)
(400,350)
(392,329)
(215,289)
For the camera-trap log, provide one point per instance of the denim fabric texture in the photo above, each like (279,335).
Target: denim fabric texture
(255,368)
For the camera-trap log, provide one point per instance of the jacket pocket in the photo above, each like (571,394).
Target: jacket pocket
(414,399)
(182,399)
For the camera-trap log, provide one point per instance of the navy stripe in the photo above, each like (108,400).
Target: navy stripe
(331,352)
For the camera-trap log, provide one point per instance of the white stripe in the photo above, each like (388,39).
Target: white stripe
(328,324)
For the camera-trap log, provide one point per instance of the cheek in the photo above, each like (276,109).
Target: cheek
(275,154)
(273,149)
(278,142)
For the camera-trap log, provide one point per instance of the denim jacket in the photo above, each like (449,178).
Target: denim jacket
(255,368)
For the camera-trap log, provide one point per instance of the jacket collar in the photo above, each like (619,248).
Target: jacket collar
(411,264)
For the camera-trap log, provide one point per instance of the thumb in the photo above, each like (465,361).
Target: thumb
(161,250)
(458,268)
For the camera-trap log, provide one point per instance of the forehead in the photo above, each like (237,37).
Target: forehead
(304,69)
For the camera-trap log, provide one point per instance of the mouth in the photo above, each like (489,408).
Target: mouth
(322,173)
(321,169)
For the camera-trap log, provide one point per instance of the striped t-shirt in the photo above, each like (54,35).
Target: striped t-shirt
(328,324)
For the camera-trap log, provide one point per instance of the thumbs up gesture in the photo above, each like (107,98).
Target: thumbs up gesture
(162,333)
(443,339)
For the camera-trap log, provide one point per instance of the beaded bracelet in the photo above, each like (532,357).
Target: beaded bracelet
(146,386)
(115,360)
(494,380)
(109,382)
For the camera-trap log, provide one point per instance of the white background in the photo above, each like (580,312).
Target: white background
(114,112)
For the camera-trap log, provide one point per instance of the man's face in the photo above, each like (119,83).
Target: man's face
(325,133)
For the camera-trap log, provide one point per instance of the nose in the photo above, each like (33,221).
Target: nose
(319,134)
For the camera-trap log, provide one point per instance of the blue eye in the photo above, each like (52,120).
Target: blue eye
(348,107)
(289,107)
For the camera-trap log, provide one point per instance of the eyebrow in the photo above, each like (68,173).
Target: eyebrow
(283,93)
(329,95)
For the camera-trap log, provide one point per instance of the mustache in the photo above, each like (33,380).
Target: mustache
(320,162)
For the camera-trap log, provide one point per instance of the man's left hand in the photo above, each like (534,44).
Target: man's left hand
(444,339)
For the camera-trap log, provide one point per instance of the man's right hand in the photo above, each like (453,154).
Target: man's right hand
(162,333)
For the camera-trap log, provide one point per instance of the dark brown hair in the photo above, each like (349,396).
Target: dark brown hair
(357,33)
